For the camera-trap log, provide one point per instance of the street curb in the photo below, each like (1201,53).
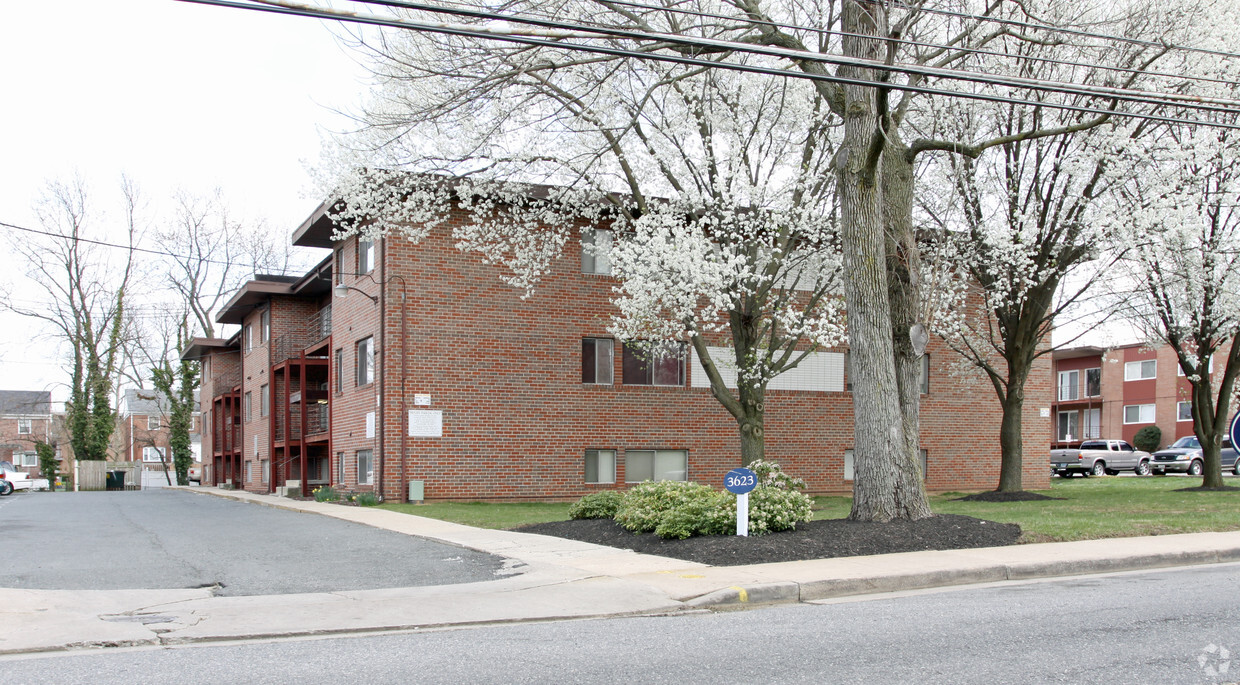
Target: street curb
(791,592)
(794,592)
(766,593)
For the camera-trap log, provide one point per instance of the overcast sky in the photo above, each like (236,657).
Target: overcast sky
(174,95)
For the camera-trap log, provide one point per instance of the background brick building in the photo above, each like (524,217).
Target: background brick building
(427,369)
(142,430)
(25,420)
(1112,393)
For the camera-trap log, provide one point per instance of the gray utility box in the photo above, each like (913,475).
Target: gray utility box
(417,490)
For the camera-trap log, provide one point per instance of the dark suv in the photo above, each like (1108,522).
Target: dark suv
(1184,456)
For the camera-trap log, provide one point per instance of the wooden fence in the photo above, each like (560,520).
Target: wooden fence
(93,475)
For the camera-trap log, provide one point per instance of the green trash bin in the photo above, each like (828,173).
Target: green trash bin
(116,480)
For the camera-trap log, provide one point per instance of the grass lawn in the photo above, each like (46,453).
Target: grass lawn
(1090,508)
(487,514)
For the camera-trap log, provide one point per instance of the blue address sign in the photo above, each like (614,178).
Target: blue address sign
(740,481)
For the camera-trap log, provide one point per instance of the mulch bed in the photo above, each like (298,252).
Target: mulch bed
(995,496)
(812,540)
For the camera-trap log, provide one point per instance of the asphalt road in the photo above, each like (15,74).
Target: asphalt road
(159,539)
(1172,626)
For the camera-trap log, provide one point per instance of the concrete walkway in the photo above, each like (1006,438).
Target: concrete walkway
(551,579)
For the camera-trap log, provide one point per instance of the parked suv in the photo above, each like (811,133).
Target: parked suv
(1184,456)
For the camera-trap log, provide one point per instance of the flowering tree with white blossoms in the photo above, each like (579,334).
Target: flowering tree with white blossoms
(714,189)
(1018,225)
(1181,212)
(461,98)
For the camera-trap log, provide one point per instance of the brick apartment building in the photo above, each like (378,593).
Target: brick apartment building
(398,367)
(142,431)
(1112,393)
(25,420)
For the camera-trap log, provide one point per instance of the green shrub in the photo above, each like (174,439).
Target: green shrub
(676,509)
(645,504)
(366,499)
(326,494)
(597,505)
(1148,439)
(705,514)
(771,475)
(772,509)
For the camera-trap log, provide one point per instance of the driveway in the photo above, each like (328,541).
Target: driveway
(169,539)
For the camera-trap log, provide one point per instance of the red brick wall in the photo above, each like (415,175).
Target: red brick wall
(517,420)
(256,373)
(221,367)
(355,318)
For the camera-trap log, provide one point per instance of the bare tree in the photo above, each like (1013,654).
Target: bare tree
(88,287)
(212,253)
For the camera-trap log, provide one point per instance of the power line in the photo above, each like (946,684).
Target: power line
(1223,105)
(134,248)
(898,41)
(1112,94)
(1059,29)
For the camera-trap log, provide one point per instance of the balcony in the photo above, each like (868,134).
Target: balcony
(316,329)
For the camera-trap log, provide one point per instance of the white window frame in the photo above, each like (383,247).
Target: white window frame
(152,455)
(364,373)
(29,459)
(365,476)
(365,256)
(1069,385)
(1092,428)
(153,423)
(595,245)
(265,471)
(604,462)
(247,402)
(1074,424)
(247,333)
(1135,371)
(848,464)
(924,376)
(264,400)
(264,330)
(682,350)
(1141,413)
(633,457)
(604,362)
(1085,383)
(1180,414)
(25,426)
(1179,370)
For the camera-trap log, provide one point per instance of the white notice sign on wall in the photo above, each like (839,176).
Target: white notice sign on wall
(424,423)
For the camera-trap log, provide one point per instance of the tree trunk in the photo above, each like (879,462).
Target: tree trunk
(1212,430)
(904,296)
(1011,440)
(752,425)
(879,490)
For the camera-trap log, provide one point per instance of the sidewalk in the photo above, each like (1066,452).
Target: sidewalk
(553,579)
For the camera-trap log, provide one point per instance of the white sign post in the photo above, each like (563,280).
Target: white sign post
(742,514)
(740,482)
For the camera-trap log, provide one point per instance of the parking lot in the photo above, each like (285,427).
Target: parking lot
(167,538)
